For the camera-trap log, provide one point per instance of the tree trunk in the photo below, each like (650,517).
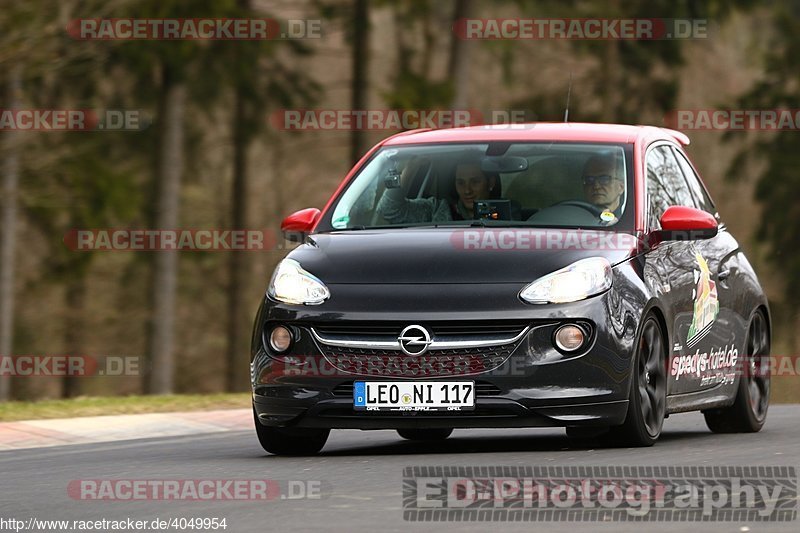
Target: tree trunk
(170,170)
(75,297)
(8,229)
(796,322)
(236,375)
(360,64)
(460,57)
(610,87)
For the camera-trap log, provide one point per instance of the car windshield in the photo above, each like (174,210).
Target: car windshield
(494,184)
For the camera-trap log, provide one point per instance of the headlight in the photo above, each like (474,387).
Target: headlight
(579,280)
(292,285)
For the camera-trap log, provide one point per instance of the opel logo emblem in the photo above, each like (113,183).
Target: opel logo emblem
(414,340)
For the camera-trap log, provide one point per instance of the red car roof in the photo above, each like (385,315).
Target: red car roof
(541,131)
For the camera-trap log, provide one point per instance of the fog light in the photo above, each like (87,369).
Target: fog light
(569,338)
(280,339)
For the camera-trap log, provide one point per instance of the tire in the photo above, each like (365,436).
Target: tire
(290,441)
(428,434)
(749,410)
(647,399)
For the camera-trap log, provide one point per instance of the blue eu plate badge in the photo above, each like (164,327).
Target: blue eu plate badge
(359,394)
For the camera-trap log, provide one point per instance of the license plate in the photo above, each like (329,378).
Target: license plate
(414,395)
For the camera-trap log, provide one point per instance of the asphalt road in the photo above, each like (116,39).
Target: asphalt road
(361,474)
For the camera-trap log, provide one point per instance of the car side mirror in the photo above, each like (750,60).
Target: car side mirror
(299,224)
(681,223)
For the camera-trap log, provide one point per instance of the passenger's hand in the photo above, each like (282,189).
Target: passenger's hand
(412,167)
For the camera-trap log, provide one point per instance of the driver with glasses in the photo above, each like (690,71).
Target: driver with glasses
(603,185)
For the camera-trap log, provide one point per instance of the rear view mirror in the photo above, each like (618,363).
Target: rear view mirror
(681,223)
(504,164)
(298,225)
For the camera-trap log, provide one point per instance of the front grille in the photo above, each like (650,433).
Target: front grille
(369,362)
(437,329)
(482,389)
(456,349)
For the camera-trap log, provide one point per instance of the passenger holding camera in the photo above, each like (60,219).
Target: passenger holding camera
(471,183)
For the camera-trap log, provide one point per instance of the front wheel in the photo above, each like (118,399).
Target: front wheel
(749,411)
(647,399)
(290,441)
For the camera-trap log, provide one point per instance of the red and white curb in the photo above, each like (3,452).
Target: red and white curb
(63,431)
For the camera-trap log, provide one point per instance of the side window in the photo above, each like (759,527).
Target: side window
(665,184)
(701,197)
(657,200)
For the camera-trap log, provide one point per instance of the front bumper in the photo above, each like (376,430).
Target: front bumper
(500,412)
(531,388)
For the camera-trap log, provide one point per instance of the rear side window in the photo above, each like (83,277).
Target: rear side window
(666,185)
(701,197)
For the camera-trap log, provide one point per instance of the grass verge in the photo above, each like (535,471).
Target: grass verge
(120,405)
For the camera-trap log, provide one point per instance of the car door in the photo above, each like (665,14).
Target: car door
(718,329)
(673,268)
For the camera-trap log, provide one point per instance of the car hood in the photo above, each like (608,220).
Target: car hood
(454,255)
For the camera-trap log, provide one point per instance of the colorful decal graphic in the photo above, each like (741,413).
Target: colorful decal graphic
(706,303)
(716,366)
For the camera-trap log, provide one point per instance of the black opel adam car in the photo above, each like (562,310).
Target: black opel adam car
(571,275)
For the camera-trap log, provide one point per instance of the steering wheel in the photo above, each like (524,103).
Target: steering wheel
(593,209)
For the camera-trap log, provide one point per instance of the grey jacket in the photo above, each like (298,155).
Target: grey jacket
(398,209)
